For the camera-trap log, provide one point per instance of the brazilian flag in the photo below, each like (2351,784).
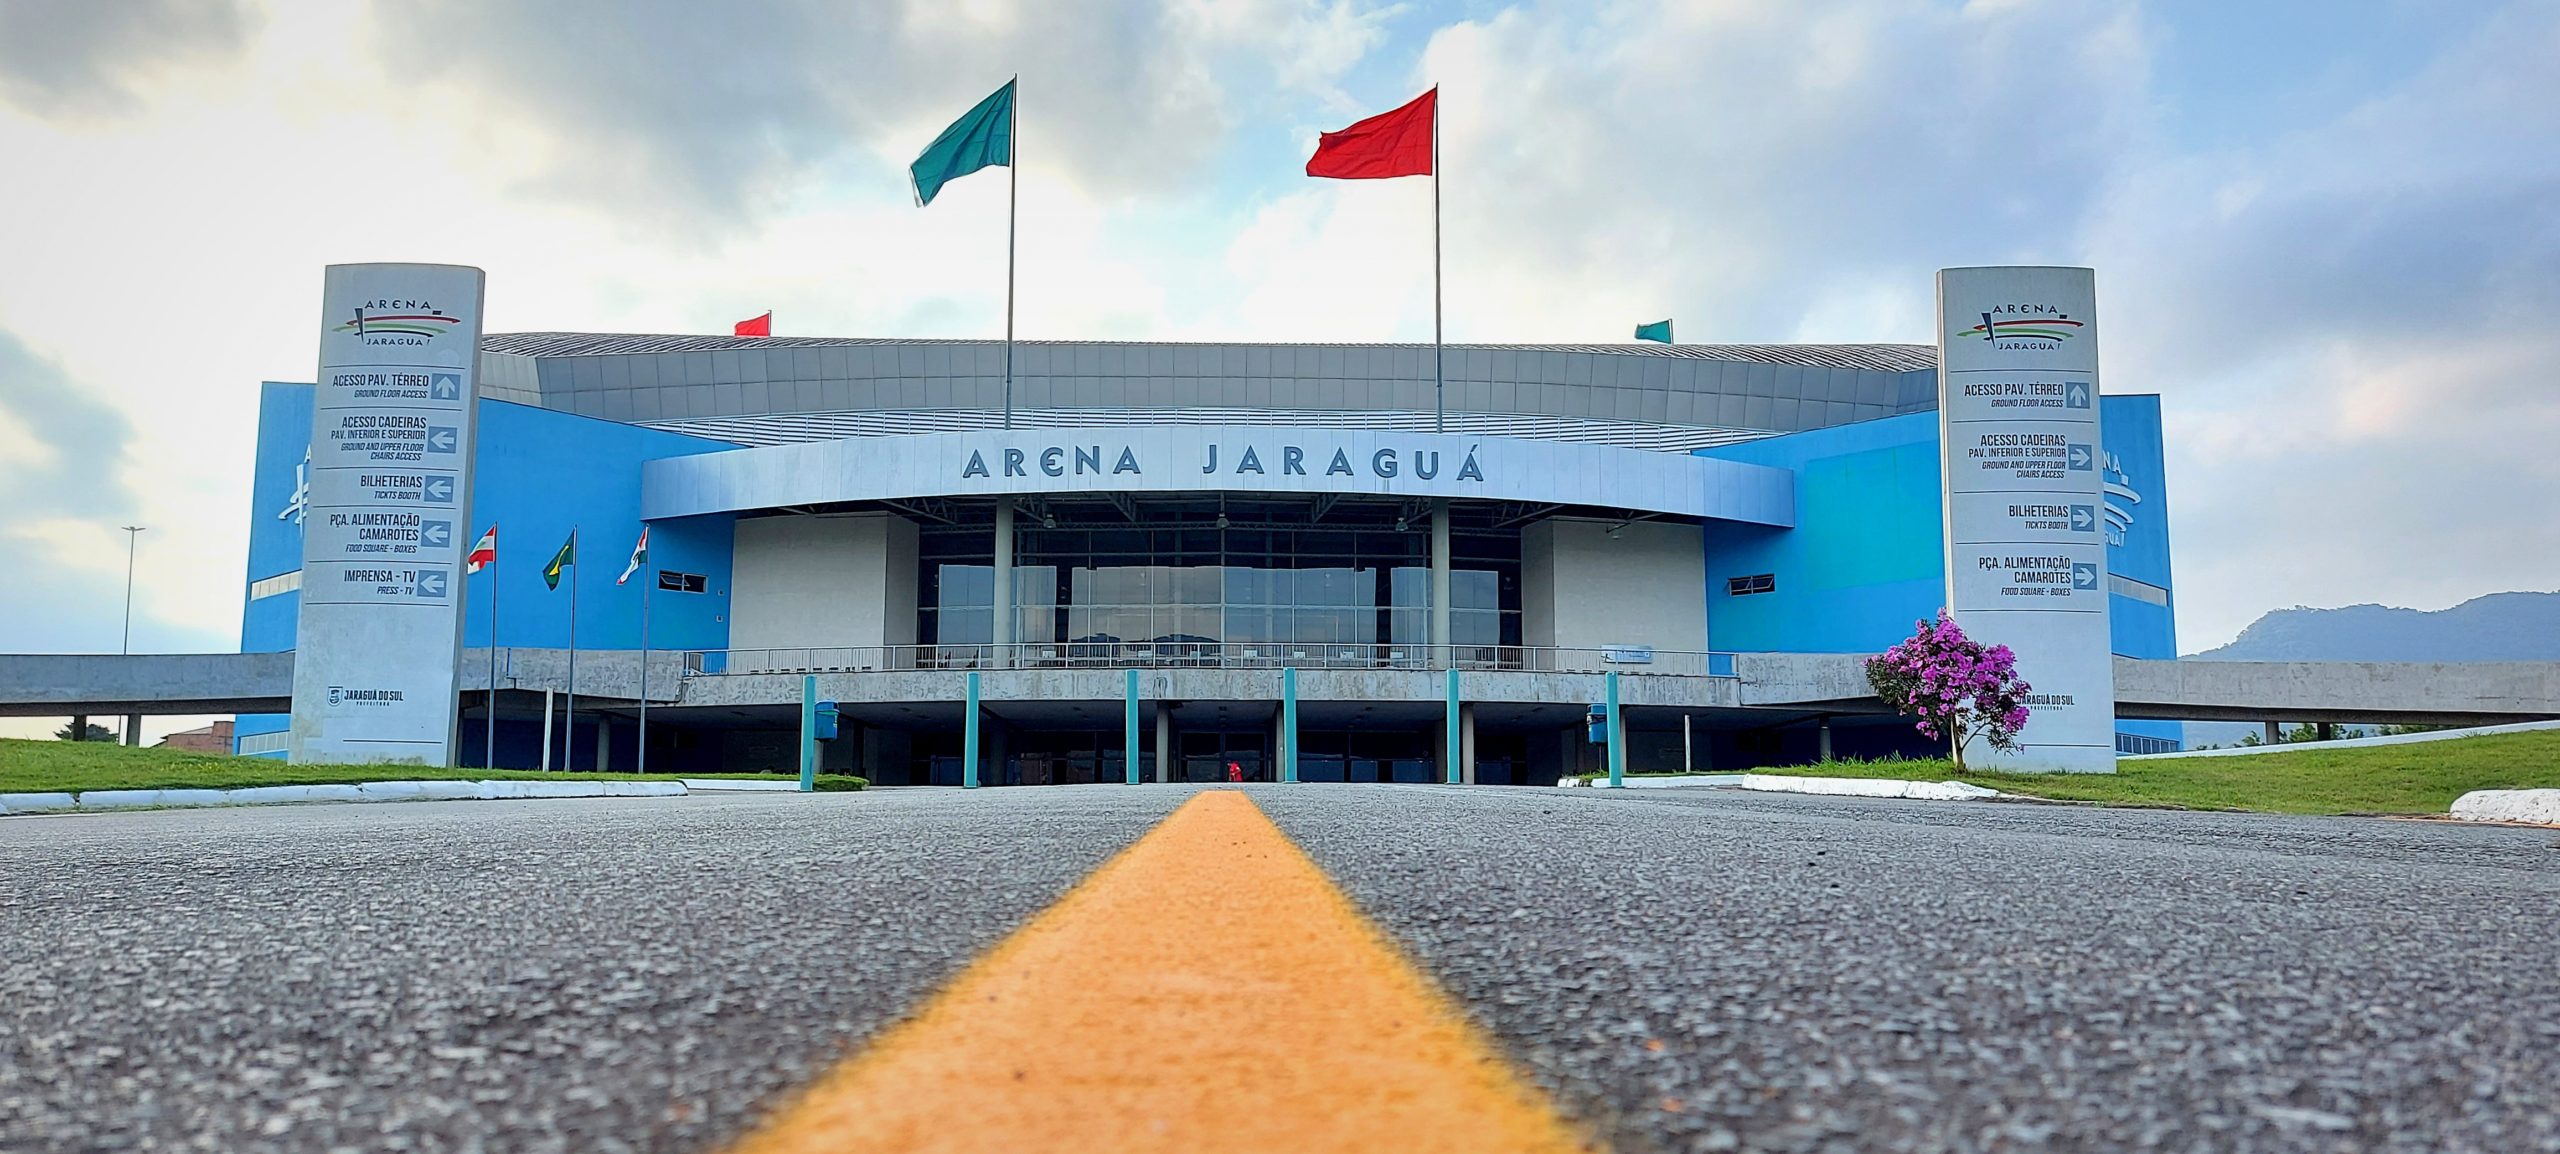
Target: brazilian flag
(982,137)
(567,556)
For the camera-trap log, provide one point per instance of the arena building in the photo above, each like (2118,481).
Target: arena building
(1154,532)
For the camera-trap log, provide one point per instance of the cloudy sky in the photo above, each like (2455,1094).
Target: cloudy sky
(2327,231)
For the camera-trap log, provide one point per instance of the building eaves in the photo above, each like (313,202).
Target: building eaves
(1891,358)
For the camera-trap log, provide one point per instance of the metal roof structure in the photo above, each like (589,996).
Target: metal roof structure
(1888,358)
(794,428)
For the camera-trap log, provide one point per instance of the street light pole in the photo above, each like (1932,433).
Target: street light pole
(132,537)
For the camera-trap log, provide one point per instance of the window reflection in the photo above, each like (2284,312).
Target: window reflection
(1359,595)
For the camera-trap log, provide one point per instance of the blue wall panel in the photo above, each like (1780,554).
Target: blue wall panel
(2137,523)
(542,473)
(276,488)
(1867,556)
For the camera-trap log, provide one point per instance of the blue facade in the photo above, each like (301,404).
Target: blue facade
(2143,613)
(537,473)
(1863,562)
(1867,556)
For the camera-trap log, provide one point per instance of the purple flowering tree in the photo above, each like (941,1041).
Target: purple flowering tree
(1957,687)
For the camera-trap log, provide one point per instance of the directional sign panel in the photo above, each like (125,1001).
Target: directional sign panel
(381,622)
(2026,555)
(2027,519)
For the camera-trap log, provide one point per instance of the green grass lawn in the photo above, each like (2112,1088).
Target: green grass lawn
(72,766)
(2423,777)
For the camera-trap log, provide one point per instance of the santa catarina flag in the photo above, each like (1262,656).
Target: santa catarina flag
(483,554)
(982,137)
(1389,144)
(639,557)
(755,326)
(567,556)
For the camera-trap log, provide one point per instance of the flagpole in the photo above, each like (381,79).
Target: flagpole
(489,759)
(1439,381)
(1012,199)
(569,734)
(648,581)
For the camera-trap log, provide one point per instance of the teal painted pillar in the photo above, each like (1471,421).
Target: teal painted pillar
(1289,725)
(808,734)
(1450,761)
(1617,738)
(1129,729)
(969,737)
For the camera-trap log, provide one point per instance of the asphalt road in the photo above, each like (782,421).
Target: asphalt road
(1686,970)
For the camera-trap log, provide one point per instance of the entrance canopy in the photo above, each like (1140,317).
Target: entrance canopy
(1216,458)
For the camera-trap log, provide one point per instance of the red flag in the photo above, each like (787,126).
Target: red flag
(1394,143)
(756,326)
(483,554)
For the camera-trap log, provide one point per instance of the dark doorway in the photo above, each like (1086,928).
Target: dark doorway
(1225,756)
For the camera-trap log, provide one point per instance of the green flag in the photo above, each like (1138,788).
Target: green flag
(982,136)
(1657,331)
(568,555)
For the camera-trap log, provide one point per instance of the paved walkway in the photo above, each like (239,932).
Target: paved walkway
(1653,971)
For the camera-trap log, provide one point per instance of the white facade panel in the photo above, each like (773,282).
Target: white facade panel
(1583,587)
(823,582)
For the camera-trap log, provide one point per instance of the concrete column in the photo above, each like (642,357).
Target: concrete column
(2326,731)
(1164,743)
(844,754)
(999,749)
(604,744)
(546,729)
(1467,742)
(1004,579)
(1440,582)
(1822,739)
(2275,733)
(79,727)
(133,729)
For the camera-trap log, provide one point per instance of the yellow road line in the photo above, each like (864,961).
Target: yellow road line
(1206,990)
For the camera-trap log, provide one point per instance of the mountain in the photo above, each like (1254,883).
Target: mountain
(2498,627)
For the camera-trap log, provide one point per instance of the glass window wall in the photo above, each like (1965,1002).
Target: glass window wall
(1358,595)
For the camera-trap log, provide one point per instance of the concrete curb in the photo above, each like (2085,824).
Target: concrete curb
(36,802)
(1869,787)
(719,785)
(2352,742)
(99,800)
(2529,806)
(1661,781)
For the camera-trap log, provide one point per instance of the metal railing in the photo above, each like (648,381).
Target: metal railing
(1190,654)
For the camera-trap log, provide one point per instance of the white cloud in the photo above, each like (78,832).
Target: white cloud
(2348,319)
